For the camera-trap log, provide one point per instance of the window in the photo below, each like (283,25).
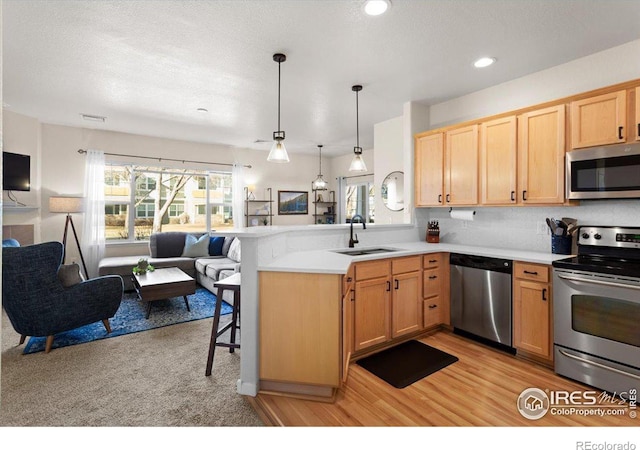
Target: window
(164,199)
(359,198)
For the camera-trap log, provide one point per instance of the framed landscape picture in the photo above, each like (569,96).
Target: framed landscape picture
(293,202)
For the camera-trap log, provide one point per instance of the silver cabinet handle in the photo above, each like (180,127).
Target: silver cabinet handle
(602,366)
(604,283)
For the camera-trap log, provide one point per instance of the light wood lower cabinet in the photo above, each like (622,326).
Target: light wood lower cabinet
(532,310)
(406,312)
(300,334)
(372,312)
(435,290)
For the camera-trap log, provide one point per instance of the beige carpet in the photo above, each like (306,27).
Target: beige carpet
(151,378)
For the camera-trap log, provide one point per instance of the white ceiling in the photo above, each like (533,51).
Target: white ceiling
(148,65)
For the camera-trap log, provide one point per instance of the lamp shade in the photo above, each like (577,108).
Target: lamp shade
(66,204)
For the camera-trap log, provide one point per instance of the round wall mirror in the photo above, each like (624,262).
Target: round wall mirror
(393,191)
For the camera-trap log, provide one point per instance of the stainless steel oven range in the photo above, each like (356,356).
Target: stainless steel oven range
(597,309)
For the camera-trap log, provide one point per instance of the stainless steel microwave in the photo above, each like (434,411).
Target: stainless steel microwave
(604,172)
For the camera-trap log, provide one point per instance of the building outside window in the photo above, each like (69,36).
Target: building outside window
(164,199)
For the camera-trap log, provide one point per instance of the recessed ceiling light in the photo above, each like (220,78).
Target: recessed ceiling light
(376,7)
(93,118)
(484,62)
(202,110)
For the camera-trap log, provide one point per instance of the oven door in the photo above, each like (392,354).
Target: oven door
(597,328)
(598,314)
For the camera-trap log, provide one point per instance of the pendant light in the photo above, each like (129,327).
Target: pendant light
(278,153)
(319,184)
(357,163)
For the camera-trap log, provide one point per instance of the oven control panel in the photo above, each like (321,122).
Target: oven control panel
(609,236)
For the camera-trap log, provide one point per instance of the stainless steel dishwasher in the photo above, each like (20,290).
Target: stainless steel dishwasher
(481,297)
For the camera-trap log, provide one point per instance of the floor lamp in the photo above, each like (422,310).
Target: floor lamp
(69,205)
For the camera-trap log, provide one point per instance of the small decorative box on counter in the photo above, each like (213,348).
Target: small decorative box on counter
(433,232)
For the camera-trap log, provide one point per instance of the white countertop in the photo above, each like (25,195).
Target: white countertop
(330,262)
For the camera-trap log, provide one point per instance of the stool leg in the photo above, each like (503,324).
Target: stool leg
(214,332)
(234,318)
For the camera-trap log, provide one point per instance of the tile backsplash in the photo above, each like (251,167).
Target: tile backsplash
(517,227)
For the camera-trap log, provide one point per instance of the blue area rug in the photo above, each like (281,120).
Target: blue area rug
(130,318)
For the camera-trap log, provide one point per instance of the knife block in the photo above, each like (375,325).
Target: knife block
(433,236)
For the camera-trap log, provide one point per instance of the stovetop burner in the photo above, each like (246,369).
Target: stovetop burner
(607,250)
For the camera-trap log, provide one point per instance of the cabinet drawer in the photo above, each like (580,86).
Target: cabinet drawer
(372,269)
(404,265)
(432,260)
(431,282)
(432,311)
(534,272)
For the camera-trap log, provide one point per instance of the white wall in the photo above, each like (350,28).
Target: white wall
(516,227)
(387,158)
(21,134)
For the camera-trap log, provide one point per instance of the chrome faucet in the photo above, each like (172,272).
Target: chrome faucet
(353,241)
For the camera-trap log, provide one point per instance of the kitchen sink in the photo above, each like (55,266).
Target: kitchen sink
(365,251)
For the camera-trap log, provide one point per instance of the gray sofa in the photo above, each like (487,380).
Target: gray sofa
(166,249)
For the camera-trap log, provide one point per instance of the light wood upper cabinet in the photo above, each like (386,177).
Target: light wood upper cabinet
(637,115)
(461,166)
(498,145)
(429,170)
(541,149)
(599,120)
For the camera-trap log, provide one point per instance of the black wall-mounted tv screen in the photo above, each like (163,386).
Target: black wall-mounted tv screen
(16,172)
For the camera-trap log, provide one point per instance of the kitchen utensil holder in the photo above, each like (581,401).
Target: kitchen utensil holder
(561,245)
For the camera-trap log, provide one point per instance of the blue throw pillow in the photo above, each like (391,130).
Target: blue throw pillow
(215,245)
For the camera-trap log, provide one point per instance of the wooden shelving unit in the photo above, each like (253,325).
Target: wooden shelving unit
(324,208)
(250,205)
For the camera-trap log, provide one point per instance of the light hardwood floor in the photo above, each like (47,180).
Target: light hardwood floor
(481,389)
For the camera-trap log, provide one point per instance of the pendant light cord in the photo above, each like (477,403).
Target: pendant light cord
(279,96)
(320,158)
(357,123)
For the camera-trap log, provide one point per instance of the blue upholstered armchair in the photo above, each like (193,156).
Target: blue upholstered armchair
(38,304)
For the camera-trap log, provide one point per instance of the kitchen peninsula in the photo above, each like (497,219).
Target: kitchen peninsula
(288,266)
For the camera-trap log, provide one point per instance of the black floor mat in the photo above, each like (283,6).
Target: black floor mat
(406,363)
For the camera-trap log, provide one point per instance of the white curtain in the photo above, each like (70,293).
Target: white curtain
(93,233)
(237,176)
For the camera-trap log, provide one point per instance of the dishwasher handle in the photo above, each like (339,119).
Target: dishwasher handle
(482,262)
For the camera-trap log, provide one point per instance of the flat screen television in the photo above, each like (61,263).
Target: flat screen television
(16,172)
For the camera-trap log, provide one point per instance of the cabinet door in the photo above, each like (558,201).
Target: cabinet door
(637,115)
(531,317)
(372,312)
(541,156)
(461,166)
(498,161)
(429,169)
(347,329)
(407,299)
(599,120)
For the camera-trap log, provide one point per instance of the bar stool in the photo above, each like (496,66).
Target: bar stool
(231,283)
